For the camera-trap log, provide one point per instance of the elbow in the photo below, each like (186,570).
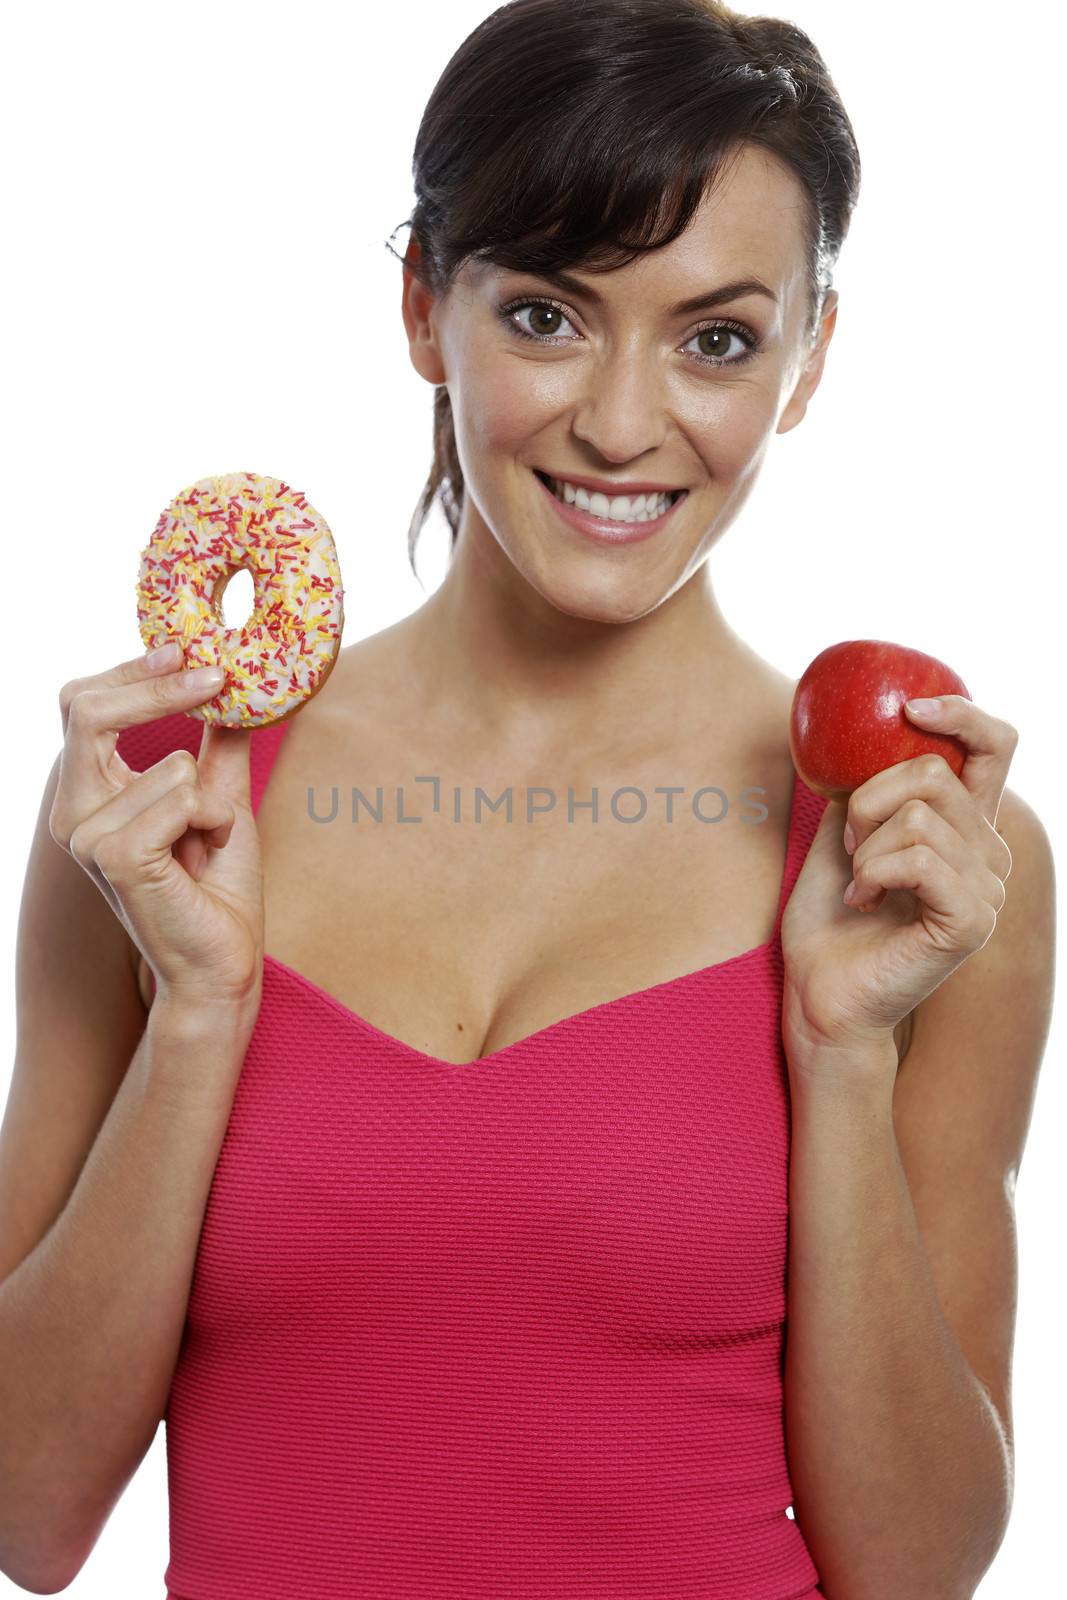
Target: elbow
(36,1580)
(40,1571)
(960,1583)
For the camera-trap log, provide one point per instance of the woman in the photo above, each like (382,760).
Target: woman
(574,1189)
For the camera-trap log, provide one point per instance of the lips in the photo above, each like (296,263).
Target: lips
(631,494)
(601,530)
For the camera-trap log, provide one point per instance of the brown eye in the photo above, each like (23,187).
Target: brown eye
(716,341)
(542,314)
(546,314)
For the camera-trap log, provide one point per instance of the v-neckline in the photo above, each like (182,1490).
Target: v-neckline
(263,757)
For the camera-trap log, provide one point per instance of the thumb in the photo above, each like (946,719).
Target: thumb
(827,849)
(225,761)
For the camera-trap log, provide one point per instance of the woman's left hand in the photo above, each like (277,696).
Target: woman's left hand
(929,868)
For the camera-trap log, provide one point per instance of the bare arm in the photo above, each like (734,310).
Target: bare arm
(902,1267)
(115,1115)
(91,1321)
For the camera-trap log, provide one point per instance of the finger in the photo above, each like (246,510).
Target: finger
(917,823)
(225,762)
(928,778)
(179,766)
(139,855)
(989,740)
(933,806)
(191,850)
(954,916)
(96,714)
(93,838)
(168,658)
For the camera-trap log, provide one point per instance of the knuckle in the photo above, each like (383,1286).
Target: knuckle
(932,767)
(998,852)
(161,691)
(80,847)
(109,855)
(82,709)
(915,815)
(58,825)
(922,860)
(67,692)
(186,796)
(857,811)
(184,765)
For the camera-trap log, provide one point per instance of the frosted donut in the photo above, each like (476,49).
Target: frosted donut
(286,650)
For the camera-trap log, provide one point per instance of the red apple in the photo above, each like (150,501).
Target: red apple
(848,719)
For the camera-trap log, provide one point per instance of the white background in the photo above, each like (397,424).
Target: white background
(195,282)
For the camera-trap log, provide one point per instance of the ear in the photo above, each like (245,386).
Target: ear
(811,372)
(417,304)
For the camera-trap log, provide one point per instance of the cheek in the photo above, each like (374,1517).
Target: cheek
(506,402)
(496,415)
(729,422)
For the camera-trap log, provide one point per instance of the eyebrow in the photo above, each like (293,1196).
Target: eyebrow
(699,302)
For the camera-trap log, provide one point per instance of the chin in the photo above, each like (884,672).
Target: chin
(602,602)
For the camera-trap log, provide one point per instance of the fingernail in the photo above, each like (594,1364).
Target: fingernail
(163,655)
(203,677)
(850,893)
(924,708)
(850,837)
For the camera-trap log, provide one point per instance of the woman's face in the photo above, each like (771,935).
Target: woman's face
(615,382)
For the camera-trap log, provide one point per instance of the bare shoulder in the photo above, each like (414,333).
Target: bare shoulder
(371,688)
(1032,860)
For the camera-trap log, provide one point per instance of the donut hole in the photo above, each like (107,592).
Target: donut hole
(237,598)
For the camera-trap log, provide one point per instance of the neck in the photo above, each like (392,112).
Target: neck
(488,649)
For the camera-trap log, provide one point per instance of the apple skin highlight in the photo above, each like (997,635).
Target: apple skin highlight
(848,721)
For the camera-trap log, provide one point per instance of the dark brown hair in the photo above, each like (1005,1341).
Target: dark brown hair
(585,132)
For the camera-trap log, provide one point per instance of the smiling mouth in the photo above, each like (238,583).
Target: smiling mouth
(635,510)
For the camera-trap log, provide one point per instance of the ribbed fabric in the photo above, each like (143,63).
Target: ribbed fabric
(511,1330)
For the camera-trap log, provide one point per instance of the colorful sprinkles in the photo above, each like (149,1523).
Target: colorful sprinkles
(286,649)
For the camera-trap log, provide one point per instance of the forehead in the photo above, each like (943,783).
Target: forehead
(756,213)
(751,224)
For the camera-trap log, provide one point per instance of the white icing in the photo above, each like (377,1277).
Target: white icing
(289,642)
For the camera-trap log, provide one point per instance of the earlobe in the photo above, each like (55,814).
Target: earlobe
(422,345)
(811,372)
(797,404)
(794,411)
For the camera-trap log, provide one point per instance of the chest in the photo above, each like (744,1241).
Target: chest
(622,1179)
(461,906)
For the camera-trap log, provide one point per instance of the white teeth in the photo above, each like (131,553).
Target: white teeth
(620,508)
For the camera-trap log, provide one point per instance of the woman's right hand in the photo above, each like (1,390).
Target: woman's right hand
(173,849)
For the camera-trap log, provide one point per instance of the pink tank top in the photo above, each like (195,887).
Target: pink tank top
(510,1328)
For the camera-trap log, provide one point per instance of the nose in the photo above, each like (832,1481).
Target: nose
(622,412)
